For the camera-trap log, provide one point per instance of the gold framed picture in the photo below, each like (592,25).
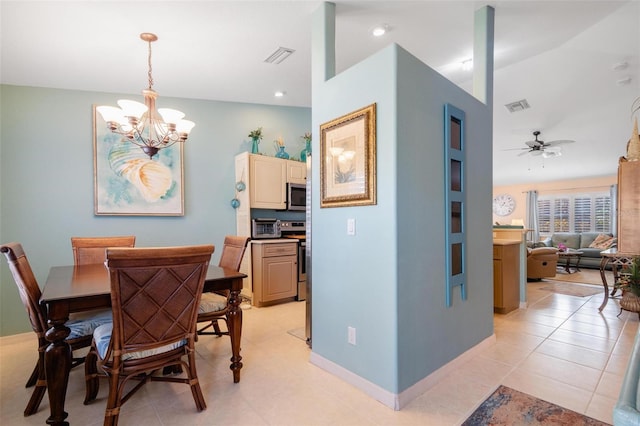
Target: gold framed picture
(348,159)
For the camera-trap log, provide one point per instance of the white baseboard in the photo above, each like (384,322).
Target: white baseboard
(393,400)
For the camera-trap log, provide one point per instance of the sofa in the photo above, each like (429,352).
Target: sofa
(589,243)
(627,409)
(541,262)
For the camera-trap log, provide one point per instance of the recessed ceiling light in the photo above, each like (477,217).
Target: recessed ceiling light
(380,30)
(620,66)
(279,94)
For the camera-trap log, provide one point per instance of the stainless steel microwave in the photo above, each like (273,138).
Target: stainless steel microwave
(296,196)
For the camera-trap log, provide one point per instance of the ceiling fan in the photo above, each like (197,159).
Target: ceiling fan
(546,149)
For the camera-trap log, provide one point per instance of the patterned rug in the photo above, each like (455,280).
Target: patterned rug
(585,276)
(571,289)
(507,406)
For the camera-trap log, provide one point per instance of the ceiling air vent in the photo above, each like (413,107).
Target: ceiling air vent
(279,55)
(518,105)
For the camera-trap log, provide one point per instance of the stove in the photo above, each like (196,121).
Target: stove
(296,230)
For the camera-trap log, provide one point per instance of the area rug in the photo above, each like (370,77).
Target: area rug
(572,289)
(585,276)
(507,406)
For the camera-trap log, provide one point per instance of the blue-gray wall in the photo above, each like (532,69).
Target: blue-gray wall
(46,159)
(388,281)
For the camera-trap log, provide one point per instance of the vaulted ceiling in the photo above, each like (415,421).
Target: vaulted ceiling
(577,63)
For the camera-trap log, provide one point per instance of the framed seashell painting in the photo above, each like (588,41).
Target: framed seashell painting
(129,183)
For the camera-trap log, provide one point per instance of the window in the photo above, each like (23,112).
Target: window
(574,213)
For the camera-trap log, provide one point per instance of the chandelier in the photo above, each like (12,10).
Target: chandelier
(143,125)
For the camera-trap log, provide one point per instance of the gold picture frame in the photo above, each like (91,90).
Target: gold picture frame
(348,159)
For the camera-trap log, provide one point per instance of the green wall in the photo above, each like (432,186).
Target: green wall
(46,176)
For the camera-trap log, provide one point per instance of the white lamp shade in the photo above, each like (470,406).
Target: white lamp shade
(184,126)
(112,114)
(171,115)
(132,108)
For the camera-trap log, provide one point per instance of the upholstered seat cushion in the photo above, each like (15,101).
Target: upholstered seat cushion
(102,336)
(212,302)
(85,323)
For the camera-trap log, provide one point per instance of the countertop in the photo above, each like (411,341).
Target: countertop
(275,241)
(504,242)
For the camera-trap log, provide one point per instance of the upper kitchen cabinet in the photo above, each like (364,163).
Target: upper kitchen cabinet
(296,172)
(267,179)
(267,182)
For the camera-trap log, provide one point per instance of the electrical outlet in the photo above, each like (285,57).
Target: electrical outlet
(351,335)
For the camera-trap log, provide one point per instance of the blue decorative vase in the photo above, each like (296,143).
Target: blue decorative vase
(254,146)
(282,154)
(305,152)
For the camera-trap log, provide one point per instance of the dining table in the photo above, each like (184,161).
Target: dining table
(78,288)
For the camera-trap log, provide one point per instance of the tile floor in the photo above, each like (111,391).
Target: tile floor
(560,349)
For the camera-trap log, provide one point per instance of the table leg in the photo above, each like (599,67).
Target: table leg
(578,263)
(235,333)
(614,270)
(603,265)
(567,265)
(57,362)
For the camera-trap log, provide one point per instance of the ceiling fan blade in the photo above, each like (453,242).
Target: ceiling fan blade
(558,142)
(515,149)
(524,153)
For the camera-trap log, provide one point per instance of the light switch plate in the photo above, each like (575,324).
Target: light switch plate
(351,226)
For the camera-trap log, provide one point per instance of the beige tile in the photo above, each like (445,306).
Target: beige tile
(561,370)
(601,408)
(573,353)
(609,385)
(584,340)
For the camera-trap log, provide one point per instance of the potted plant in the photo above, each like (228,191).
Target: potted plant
(629,283)
(256,137)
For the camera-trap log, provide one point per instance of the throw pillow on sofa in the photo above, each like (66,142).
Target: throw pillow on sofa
(602,242)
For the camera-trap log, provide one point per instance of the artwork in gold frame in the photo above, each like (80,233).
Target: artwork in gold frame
(348,159)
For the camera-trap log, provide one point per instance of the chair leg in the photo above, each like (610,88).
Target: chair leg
(33,378)
(114,400)
(196,391)
(216,328)
(40,389)
(92,382)
(36,398)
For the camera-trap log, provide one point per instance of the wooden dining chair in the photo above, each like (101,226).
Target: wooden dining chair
(215,306)
(81,325)
(89,250)
(155,293)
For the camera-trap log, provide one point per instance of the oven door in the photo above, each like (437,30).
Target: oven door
(302,271)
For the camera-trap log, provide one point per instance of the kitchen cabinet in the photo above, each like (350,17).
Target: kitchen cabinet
(275,271)
(296,172)
(267,178)
(506,269)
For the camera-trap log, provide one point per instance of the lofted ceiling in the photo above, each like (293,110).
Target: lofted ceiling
(566,58)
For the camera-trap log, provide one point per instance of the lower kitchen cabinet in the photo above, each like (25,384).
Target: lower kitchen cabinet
(506,270)
(275,271)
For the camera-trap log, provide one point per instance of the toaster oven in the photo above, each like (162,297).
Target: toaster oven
(265,228)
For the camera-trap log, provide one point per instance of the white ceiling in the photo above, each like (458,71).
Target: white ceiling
(558,55)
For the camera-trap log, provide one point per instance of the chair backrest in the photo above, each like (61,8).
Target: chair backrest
(88,250)
(232,252)
(27,286)
(155,294)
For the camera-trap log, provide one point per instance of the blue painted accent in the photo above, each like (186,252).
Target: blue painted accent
(452,113)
